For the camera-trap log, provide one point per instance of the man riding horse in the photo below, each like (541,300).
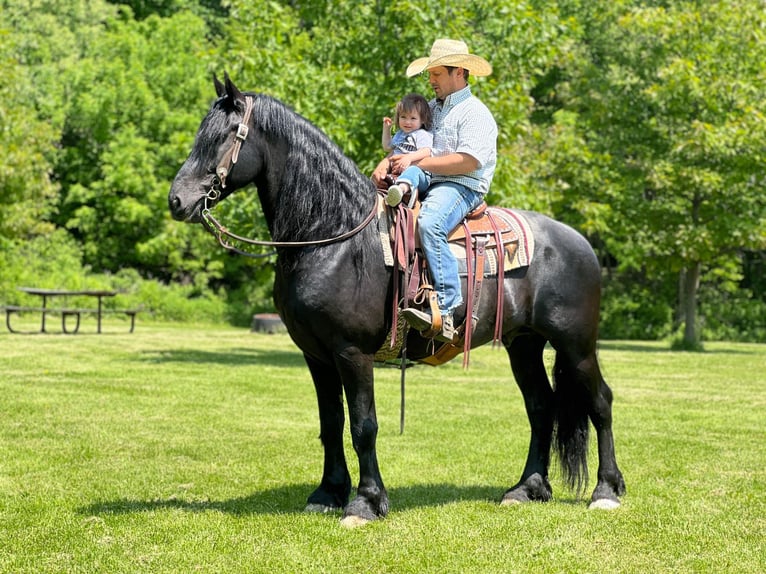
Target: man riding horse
(461,166)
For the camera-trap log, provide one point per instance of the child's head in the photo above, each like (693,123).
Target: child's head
(410,106)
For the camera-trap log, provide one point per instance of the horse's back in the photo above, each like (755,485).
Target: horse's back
(559,248)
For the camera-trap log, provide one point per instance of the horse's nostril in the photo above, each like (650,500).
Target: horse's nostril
(175,203)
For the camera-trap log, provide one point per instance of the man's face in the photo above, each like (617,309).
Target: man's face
(443,83)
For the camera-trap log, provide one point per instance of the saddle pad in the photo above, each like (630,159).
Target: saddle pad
(514,258)
(385,222)
(514,219)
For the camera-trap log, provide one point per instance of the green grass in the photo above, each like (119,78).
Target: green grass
(193,449)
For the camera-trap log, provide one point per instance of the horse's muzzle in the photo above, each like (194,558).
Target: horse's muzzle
(189,212)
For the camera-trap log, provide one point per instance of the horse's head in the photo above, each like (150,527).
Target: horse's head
(222,159)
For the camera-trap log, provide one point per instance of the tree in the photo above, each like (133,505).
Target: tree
(27,146)
(672,96)
(639,123)
(142,88)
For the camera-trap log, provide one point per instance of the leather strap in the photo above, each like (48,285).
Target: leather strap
(405,262)
(436,316)
(230,158)
(473,303)
(496,338)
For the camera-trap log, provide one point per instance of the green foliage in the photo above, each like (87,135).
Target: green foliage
(213,11)
(27,145)
(735,316)
(670,96)
(175,302)
(631,309)
(54,261)
(50,261)
(140,93)
(639,124)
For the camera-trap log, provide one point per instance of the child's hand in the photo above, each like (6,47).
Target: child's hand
(387,122)
(400,162)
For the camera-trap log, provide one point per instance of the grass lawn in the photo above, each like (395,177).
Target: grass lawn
(193,449)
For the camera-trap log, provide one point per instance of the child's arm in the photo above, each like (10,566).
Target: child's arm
(416,156)
(401,162)
(386,136)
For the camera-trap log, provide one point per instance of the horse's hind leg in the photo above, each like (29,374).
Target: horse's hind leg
(581,392)
(611,484)
(526,354)
(335,488)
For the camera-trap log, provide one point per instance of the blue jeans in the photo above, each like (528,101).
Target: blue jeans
(445,205)
(416,177)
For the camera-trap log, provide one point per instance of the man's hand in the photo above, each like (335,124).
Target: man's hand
(380,172)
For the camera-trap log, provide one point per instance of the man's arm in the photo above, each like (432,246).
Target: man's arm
(450,164)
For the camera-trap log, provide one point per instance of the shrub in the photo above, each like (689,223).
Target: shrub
(632,311)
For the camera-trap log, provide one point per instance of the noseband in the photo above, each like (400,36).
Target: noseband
(227,163)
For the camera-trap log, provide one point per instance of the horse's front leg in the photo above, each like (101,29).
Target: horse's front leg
(356,371)
(335,488)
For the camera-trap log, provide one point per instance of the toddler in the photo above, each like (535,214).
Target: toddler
(413,140)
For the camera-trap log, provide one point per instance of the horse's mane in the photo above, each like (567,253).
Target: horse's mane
(321,192)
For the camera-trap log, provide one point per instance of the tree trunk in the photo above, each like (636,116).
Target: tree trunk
(690,283)
(680,310)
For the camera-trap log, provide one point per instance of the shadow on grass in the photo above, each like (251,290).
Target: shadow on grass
(244,356)
(292,499)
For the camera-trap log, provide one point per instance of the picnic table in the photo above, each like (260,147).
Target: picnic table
(66,312)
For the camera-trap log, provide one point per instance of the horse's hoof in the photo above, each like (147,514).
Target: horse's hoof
(508,501)
(352,521)
(320,508)
(604,504)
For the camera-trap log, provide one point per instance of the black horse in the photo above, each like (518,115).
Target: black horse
(335,299)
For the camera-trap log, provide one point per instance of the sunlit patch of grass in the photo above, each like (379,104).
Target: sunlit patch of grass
(192,448)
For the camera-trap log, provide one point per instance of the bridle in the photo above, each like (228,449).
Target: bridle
(222,234)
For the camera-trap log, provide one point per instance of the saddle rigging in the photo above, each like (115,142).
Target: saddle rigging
(485,233)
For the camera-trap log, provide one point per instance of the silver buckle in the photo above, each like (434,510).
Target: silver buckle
(242,131)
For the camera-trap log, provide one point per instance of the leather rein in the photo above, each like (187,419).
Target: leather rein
(222,234)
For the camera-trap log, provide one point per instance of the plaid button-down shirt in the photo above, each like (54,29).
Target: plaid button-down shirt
(463,124)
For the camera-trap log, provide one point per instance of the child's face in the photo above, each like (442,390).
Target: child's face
(409,121)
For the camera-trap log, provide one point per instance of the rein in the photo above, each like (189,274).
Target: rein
(223,235)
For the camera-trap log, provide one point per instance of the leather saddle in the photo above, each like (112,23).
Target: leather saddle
(484,232)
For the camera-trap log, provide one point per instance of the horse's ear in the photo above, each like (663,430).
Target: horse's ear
(220,89)
(231,89)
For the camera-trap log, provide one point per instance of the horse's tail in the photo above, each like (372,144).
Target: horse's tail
(571,425)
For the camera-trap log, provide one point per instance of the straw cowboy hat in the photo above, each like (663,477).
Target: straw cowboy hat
(450,53)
